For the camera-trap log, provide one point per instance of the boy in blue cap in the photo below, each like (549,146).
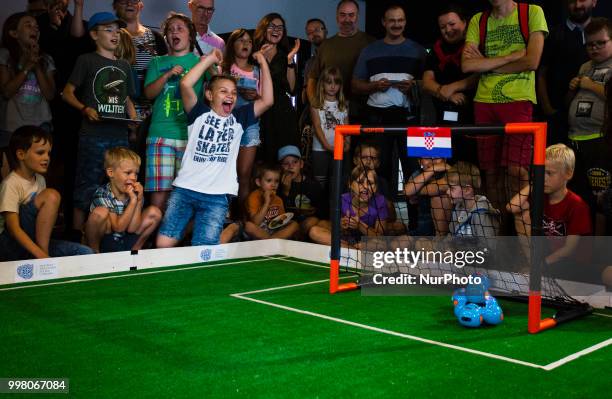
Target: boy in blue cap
(105,86)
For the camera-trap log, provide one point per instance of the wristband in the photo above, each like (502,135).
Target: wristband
(292,65)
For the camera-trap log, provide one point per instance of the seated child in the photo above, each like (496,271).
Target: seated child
(117,220)
(263,205)
(429,186)
(301,195)
(364,211)
(28,209)
(565,213)
(472,215)
(208,174)
(367,154)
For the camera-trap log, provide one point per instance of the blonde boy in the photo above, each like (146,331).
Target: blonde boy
(565,213)
(117,220)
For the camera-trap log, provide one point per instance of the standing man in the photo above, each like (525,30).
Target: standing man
(387,71)
(341,51)
(506,53)
(316,32)
(201,15)
(564,53)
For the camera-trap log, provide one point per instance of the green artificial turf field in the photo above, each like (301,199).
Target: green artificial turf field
(265,327)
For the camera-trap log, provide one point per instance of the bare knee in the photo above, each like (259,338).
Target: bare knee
(99,216)
(153,213)
(163,241)
(48,197)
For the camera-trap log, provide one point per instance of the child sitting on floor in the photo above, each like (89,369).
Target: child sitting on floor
(364,211)
(117,220)
(264,208)
(28,209)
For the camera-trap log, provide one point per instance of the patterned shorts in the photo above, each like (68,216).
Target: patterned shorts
(164,158)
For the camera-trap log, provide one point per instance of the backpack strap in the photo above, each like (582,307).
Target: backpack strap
(523,16)
(484,18)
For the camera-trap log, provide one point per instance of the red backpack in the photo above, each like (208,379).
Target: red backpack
(523,16)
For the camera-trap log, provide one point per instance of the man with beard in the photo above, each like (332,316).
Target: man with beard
(564,52)
(387,71)
(316,32)
(341,51)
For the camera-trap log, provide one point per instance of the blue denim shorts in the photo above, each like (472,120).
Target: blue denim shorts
(90,167)
(207,210)
(250,137)
(12,250)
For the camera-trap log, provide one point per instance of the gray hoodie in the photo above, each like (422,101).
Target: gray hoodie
(480,221)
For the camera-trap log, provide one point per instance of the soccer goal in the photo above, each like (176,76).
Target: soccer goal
(500,167)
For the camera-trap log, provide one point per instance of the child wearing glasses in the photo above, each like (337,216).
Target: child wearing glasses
(587,113)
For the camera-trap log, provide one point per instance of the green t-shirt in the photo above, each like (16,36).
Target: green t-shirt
(504,37)
(169,119)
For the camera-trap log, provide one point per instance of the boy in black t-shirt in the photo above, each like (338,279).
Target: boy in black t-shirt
(105,87)
(301,195)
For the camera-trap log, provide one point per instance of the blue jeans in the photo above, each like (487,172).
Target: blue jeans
(250,137)
(90,167)
(12,250)
(207,210)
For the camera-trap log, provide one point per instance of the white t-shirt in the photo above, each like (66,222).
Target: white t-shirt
(16,191)
(329,117)
(209,162)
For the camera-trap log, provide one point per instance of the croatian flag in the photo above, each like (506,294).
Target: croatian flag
(429,142)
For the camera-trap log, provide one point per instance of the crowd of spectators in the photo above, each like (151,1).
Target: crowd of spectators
(165,133)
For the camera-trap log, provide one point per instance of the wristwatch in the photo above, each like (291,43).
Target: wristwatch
(292,65)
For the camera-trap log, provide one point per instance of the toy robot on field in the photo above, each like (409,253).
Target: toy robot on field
(474,305)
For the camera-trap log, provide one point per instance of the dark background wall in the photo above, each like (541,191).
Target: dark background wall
(421,14)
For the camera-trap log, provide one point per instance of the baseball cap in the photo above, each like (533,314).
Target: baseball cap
(104,18)
(288,150)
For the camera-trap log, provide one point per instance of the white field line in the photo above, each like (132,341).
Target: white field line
(576,355)
(548,367)
(388,332)
(300,262)
(602,314)
(136,274)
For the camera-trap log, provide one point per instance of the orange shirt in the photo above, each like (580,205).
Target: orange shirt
(255,202)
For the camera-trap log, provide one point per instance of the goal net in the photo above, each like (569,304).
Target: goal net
(469,199)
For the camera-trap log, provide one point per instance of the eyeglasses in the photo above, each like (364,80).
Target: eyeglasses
(205,10)
(276,27)
(598,44)
(368,158)
(244,41)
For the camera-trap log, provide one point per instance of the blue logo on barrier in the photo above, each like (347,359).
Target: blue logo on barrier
(26,272)
(206,254)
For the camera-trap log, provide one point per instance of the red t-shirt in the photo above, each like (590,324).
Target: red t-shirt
(571,216)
